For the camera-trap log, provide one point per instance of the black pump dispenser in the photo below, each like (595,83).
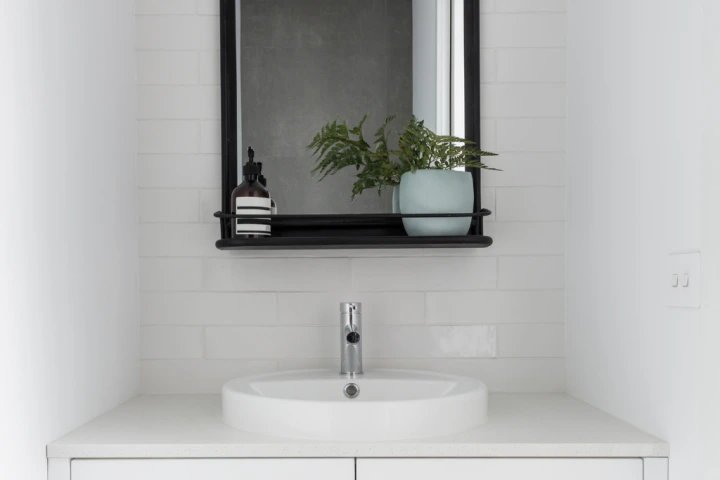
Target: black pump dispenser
(251,170)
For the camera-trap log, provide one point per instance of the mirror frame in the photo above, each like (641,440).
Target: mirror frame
(318,227)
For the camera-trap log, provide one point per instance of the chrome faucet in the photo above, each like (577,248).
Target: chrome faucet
(351,339)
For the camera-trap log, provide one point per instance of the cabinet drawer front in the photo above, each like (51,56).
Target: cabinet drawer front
(215,469)
(500,469)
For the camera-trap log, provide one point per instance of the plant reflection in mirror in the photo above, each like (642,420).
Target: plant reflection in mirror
(379,166)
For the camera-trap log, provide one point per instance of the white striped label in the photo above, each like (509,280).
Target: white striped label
(252,206)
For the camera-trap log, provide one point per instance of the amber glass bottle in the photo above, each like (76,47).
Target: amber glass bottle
(251,198)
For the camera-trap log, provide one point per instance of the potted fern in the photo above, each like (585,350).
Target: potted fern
(420,169)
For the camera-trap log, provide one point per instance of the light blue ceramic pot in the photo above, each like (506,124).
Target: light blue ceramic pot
(436,191)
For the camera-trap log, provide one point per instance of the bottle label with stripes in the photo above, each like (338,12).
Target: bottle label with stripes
(252,206)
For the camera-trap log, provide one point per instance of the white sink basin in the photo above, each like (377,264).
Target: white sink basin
(390,405)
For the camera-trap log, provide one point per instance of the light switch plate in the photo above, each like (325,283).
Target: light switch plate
(683,280)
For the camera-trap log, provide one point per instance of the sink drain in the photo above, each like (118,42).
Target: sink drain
(351,390)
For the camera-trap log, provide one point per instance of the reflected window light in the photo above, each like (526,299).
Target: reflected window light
(457,70)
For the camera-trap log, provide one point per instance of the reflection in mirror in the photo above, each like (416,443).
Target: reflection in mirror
(304,63)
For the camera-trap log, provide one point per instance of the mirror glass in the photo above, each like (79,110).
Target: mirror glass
(304,63)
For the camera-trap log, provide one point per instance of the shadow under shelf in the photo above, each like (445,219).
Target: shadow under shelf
(346,231)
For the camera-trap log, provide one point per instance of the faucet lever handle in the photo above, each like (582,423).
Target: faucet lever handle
(350,307)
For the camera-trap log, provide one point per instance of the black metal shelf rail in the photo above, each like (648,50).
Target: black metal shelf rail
(343,217)
(338,220)
(345,229)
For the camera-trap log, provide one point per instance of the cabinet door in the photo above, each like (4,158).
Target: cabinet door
(214,469)
(499,469)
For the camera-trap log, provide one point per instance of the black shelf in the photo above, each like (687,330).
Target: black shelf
(299,243)
(346,231)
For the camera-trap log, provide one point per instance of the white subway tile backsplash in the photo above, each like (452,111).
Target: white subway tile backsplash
(401,308)
(210,202)
(277,274)
(531,65)
(514,238)
(531,134)
(272,343)
(531,340)
(379,252)
(179,240)
(196,376)
(208,308)
(523,30)
(423,274)
(523,100)
(179,171)
(399,363)
(178,102)
(209,71)
(488,136)
(531,273)
(323,342)
(526,238)
(530,204)
(530,5)
(168,136)
(208,7)
(488,201)
(309,363)
(177,32)
(168,274)
(210,136)
(171,342)
(167,68)
(167,7)
(209,316)
(494,307)
(487,65)
(509,375)
(169,205)
(429,341)
(369,364)
(526,170)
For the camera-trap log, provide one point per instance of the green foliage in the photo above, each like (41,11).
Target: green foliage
(336,147)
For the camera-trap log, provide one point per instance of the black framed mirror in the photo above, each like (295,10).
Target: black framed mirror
(291,66)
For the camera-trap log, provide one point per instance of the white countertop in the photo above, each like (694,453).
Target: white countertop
(519,425)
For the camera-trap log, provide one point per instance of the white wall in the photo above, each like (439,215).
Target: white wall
(210,315)
(710,239)
(68,222)
(637,92)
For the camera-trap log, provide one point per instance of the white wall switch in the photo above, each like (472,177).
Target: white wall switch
(684,280)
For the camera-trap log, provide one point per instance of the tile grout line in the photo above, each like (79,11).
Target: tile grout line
(204,342)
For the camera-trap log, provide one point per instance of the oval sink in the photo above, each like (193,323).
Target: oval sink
(381,405)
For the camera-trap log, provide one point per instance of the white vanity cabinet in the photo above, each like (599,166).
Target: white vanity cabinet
(365,469)
(214,469)
(528,437)
(500,469)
